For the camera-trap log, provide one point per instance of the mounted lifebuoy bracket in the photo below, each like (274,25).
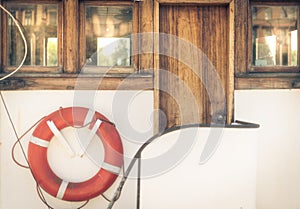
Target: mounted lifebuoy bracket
(49,127)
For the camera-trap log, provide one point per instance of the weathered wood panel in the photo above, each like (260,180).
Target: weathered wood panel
(231,64)
(71,36)
(241,36)
(146,38)
(210,2)
(73,82)
(267,81)
(190,74)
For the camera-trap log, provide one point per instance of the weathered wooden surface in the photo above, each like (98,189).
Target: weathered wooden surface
(75,82)
(183,96)
(71,36)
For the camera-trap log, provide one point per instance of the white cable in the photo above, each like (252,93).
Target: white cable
(24,40)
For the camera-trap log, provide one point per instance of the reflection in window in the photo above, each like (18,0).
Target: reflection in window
(40,25)
(274,37)
(108,30)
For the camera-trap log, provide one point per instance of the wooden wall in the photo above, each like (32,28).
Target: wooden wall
(194,72)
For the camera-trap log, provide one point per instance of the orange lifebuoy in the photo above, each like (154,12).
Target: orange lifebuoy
(71,191)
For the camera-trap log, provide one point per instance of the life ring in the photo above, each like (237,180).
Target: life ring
(71,191)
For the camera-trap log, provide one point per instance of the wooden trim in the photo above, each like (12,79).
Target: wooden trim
(107,3)
(76,82)
(230,75)
(3,41)
(275,2)
(82,42)
(35,69)
(298,35)
(71,36)
(136,24)
(274,69)
(146,42)
(242,83)
(60,35)
(241,36)
(32,1)
(248,26)
(208,2)
(112,70)
(156,65)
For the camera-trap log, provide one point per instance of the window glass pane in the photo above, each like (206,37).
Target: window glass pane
(40,26)
(274,38)
(108,30)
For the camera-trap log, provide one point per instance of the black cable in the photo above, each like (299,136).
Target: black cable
(137,156)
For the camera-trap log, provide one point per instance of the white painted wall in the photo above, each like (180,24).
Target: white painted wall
(278,168)
(227,180)
(130,110)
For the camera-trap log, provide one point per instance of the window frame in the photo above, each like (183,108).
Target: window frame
(135,43)
(31,68)
(276,68)
(273,77)
(136,78)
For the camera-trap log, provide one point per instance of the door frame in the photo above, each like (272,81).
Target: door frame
(231,46)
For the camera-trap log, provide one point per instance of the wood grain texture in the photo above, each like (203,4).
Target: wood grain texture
(230,74)
(146,15)
(71,82)
(241,36)
(248,83)
(188,64)
(209,2)
(71,36)
(156,92)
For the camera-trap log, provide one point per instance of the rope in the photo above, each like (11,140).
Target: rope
(18,142)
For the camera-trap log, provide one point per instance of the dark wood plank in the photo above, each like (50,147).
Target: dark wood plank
(241,36)
(146,17)
(180,85)
(71,82)
(210,2)
(281,82)
(71,36)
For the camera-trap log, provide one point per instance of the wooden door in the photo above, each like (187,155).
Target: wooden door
(194,76)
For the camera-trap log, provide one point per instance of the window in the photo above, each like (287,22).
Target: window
(42,27)
(274,36)
(68,37)
(108,42)
(267,53)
